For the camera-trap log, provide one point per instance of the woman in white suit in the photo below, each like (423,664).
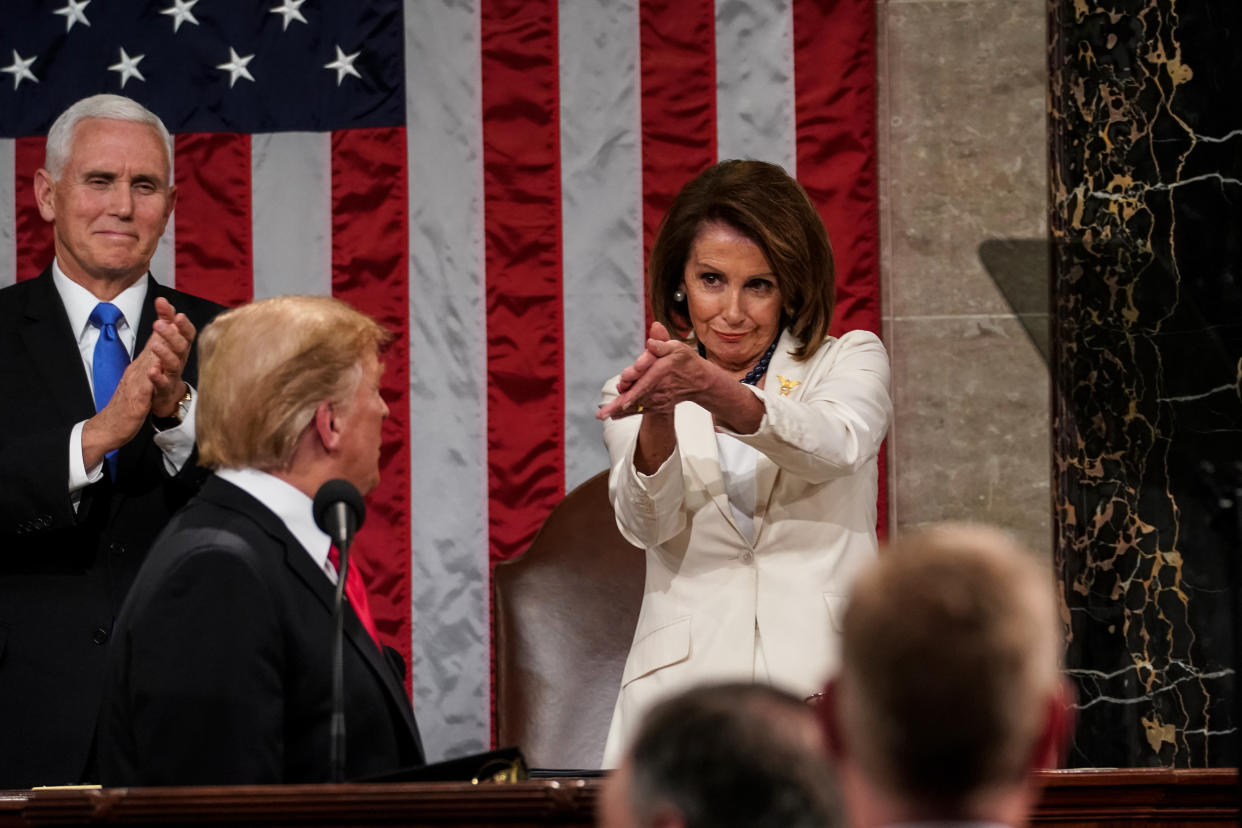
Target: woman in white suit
(743,446)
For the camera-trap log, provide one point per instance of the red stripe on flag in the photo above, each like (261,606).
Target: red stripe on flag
(677,46)
(370,269)
(35,245)
(212,218)
(834,75)
(834,72)
(522,232)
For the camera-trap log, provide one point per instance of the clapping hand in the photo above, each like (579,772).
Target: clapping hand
(665,373)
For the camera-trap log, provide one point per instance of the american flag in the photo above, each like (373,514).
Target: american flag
(483,177)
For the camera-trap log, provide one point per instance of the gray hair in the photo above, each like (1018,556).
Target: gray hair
(733,756)
(115,107)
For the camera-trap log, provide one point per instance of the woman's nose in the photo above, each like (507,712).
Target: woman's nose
(733,307)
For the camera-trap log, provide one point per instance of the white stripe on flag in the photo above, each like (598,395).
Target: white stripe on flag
(451,661)
(601,199)
(164,260)
(291,213)
(755,82)
(8,212)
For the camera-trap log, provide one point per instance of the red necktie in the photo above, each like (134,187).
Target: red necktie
(356,592)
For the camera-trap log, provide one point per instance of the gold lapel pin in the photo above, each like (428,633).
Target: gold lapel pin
(788,385)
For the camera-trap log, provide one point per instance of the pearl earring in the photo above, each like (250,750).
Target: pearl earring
(679,295)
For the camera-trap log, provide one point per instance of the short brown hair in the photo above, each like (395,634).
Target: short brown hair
(762,202)
(266,366)
(950,655)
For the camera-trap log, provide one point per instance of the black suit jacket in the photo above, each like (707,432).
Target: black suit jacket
(63,574)
(221,666)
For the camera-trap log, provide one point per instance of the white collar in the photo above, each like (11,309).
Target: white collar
(80,302)
(294,509)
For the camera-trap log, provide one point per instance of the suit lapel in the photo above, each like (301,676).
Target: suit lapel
(786,377)
(356,635)
(147,318)
(696,436)
(130,455)
(53,348)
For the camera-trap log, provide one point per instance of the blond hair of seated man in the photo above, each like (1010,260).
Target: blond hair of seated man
(950,692)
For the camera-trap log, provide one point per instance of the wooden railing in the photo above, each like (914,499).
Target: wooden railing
(1090,799)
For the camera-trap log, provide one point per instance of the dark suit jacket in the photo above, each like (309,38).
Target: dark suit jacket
(63,574)
(221,666)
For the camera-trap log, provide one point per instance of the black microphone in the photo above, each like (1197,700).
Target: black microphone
(339,511)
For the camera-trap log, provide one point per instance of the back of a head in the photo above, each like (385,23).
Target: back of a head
(265,366)
(950,657)
(731,755)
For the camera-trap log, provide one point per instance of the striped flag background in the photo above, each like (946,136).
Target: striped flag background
(483,177)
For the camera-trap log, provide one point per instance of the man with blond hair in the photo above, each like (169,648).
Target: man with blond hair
(950,692)
(221,664)
(96,428)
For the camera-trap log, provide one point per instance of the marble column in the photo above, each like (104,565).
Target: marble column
(1145,170)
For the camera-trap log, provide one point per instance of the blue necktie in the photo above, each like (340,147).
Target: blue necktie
(109,362)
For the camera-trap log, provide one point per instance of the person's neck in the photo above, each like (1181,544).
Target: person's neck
(307,481)
(870,806)
(103,288)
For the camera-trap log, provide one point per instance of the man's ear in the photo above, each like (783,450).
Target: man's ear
(327,426)
(43,187)
(172,204)
(1052,747)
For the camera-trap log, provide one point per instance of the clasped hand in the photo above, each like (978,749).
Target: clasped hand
(667,372)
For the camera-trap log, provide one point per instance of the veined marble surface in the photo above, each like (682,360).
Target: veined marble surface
(1145,135)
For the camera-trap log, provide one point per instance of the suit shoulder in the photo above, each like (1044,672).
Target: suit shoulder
(15,295)
(853,342)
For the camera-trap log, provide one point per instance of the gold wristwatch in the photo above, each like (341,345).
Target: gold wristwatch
(178,415)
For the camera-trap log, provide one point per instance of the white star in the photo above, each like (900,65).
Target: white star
(288,9)
(181,11)
(236,67)
(344,65)
(74,12)
(127,67)
(20,69)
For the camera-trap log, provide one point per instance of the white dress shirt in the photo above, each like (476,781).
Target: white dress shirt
(293,507)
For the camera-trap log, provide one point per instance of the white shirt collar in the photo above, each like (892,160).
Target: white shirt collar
(80,302)
(294,509)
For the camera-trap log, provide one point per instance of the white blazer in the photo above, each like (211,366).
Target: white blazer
(707,586)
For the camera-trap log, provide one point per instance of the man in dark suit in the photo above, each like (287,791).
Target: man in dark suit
(88,475)
(221,665)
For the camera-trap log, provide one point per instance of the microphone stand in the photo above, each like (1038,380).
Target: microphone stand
(339,512)
(336,730)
